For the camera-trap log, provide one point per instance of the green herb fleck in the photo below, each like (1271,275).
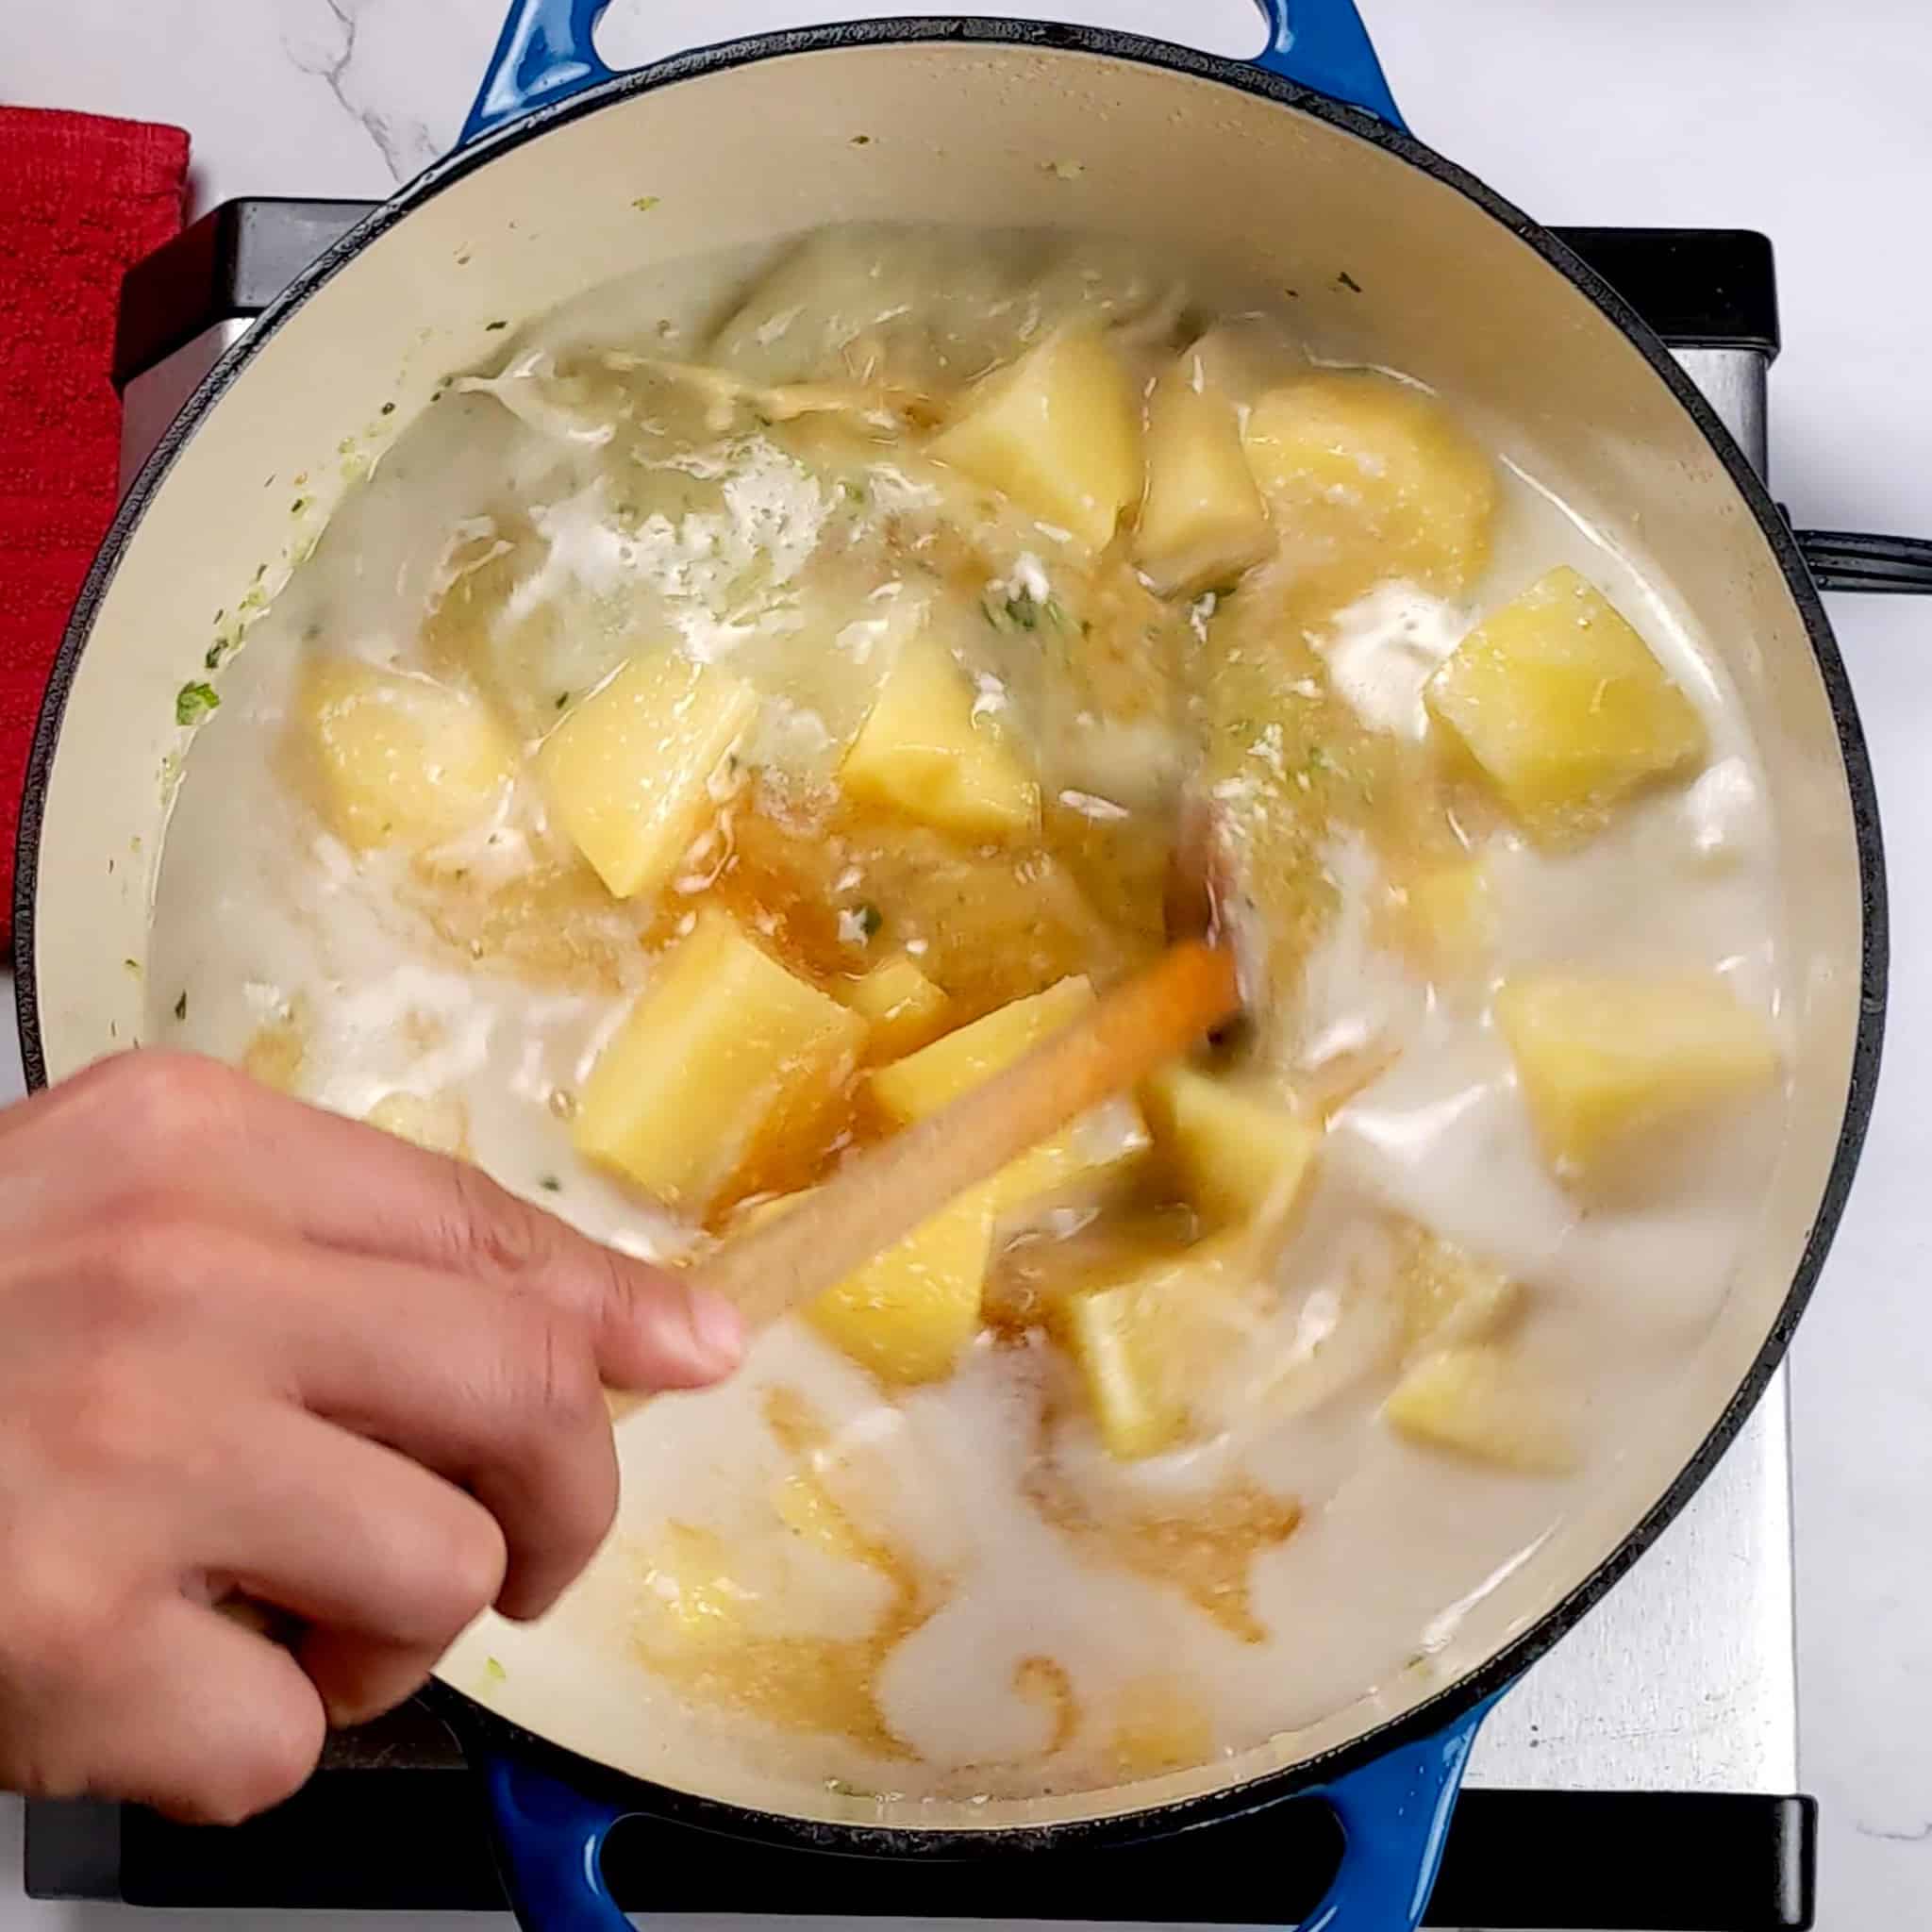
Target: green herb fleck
(181,1005)
(861,140)
(494,1671)
(550,1184)
(211,657)
(300,503)
(1349,282)
(645,203)
(1018,611)
(132,965)
(221,613)
(563,699)
(870,920)
(193,702)
(389,409)
(491,328)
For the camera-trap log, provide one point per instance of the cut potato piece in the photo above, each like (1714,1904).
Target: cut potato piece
(1235,1152)
(629,773)
(1449,1297)
(923,753)
(404,760)
(1202,520)
(689,1579)
(1443,915)
(907,1315)
(1477,1402)
(905,1007)
(1145,1345)
(1608,1065)
(722,1048)
(1564,708)
(924,1082)
(1375,478)
(439,1122)
(1058,432)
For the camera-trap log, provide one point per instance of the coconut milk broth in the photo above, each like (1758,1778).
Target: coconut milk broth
(954,1592)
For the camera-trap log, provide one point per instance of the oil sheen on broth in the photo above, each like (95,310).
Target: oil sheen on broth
(758,708)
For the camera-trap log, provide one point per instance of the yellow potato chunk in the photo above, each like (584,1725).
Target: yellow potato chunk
(907,1315)
(1476,1402)
(924,754)
(924,1082)
(1145,1344)
(689,1579)
(1376,472)
(1202,520)
(722,1047)
(629,771)
(1605,1065)
(1443,915)
(905,1007)
(1448,1296)
(1234,1151)
(1564,708)
(404,760)
(1058,432)
(439,1122)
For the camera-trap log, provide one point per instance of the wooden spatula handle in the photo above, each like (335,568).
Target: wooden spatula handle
(883,1193)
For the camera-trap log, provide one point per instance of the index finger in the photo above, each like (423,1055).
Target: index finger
(202,1131)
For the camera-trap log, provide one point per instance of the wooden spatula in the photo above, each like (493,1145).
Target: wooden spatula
(883,1193)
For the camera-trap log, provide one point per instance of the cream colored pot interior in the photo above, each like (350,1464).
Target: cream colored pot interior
(980,135)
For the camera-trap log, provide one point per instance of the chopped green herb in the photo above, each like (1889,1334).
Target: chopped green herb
(1349,282)
(300,503)
(181,1005)
(1018,610)
(193,702)
(132,965)
(491,328)
(494,1671)
(221,613)
(211,657)
(645,203)
(563,699)
(550,1184)
(861,140)
(389,409)
(870,920)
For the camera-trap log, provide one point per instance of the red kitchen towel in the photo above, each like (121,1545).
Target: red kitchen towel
(81,197)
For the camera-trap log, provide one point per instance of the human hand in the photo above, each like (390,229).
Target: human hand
(249,1347)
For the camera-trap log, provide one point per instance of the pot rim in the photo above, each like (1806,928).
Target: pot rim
(471,1718)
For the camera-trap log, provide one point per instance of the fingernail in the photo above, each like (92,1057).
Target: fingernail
(718,1329)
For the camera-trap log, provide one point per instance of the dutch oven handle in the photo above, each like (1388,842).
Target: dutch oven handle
(1857,560)
(547,1836)
(547,52)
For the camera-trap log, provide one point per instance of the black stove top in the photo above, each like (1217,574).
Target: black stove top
(392,1820)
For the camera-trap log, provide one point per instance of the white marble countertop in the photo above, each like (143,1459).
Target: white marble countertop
(1810,123)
